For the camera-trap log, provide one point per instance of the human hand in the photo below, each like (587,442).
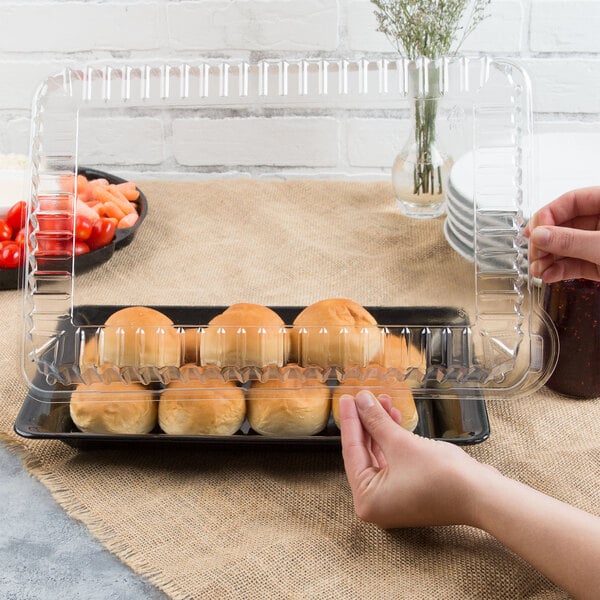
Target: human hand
(565,237)
(399,479)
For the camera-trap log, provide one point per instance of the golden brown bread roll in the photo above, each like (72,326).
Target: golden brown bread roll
(113,408)
(335,332)
(211,407)
(288,407)
(137,336)
(377,383)
(246,335)
(397,353)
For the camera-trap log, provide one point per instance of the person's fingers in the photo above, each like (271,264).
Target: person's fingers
(551,271)
(376,421)
(577,209)
(539,266)
(568,242)
(358,461)
(386,401)
(396,415)
(576,203)
(536,253)
(541,218)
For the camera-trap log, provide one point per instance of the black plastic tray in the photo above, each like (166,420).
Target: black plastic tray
(11,279)
(50,419)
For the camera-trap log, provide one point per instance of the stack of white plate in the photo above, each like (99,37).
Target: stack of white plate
(564,161)
(460,223)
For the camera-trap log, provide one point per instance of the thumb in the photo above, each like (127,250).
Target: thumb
(375,419)
(568,242)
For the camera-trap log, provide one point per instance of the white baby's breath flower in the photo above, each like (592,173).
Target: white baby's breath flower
(429,28)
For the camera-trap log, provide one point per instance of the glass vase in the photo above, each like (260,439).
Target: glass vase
(421,169)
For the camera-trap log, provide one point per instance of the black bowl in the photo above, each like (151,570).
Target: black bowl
(11,279)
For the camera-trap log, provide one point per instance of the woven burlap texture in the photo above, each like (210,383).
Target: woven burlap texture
(205,522)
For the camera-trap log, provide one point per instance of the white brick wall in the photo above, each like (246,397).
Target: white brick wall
(101,141)
(557,41)
(565,26)
(278,141)
(20,78)
(27,27)
(269,26)
(371,142)
(575,92)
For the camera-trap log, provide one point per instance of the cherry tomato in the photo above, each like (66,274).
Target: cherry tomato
(56,222)
(5,231)
(83,228)
(103,231)
(53,246)
(10,256)
(81,248)
(17,215)
(21,237)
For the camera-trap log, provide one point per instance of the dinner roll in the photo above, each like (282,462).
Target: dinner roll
(246,335)
(376,382)
(335,332)
(211,407)
(113,408)
(139,336)
(397,353)
(288,407)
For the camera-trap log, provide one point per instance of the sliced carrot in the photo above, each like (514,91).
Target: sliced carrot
(120,200)
(99,182)
(113,189)
(98,198)
(83,188)
(86,211)
(67,182)
(102,194)
(110,209)
(128,190)
(128,221)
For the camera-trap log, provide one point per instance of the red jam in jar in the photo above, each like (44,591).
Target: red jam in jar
(574,307)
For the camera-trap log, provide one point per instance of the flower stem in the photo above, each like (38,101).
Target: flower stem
(426,175)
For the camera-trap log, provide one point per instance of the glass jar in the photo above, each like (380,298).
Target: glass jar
(574,307)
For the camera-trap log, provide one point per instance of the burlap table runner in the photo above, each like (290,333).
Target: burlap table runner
(202,522)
